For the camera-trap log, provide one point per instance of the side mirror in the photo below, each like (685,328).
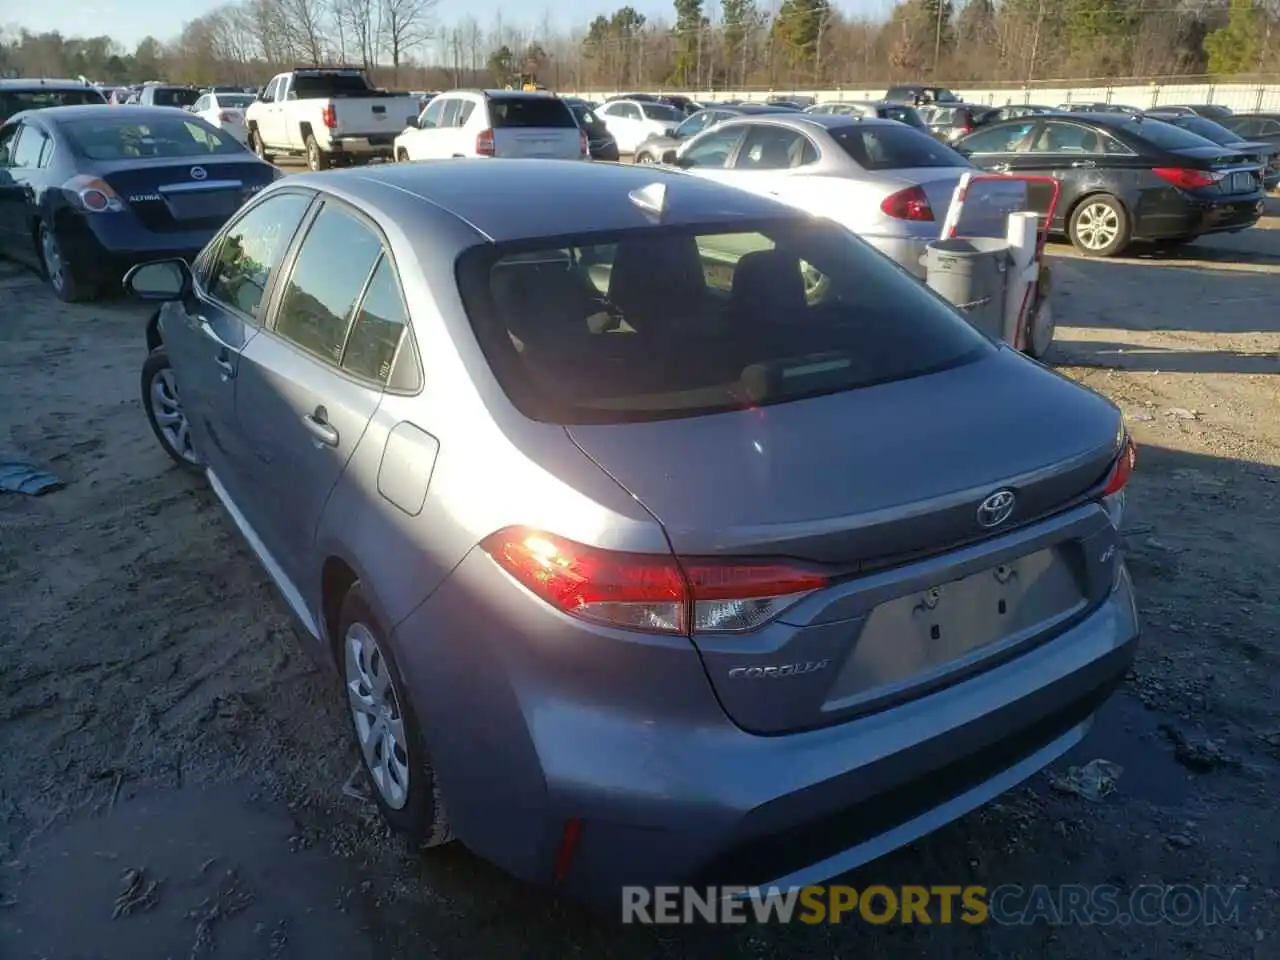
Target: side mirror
(671,157)
(159,280)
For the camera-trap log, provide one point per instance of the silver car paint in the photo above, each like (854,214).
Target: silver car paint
(532,717)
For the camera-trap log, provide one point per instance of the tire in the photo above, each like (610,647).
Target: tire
(407,794)
(258,147)
(161,401)
(1099,226)
(1040,333)
(317,159)
(645,158)
(402,155)
(58,270)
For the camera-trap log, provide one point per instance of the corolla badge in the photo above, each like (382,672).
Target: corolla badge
(780,672)
(996,509)
(198,173)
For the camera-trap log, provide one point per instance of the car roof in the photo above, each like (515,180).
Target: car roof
(827,121)
(749,109)
(89,111)
(512,199)
(37,83)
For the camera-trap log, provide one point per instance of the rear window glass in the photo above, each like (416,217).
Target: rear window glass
(235,100)
(106,138)
(660,111)
(529,112)
(174,96)
(15,101)
(1164,135)
(663,322)
(1207,129)
(903,115)
(886,147)
(326,86)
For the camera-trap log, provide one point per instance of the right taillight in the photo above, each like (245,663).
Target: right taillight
(1122,469)
(1184,178)
(909,204)
(656,593)
(484,143)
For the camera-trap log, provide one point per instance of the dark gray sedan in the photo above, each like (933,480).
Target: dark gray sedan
(638,564)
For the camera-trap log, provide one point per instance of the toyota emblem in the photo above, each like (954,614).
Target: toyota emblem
(996,509)
(198,173)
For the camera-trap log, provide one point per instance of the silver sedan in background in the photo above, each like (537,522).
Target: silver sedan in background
(889,183)
(638,565)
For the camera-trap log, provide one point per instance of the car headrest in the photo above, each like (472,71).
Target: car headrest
(769,284)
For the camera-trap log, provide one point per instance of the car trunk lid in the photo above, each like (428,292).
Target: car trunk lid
(880,489)
(189,193)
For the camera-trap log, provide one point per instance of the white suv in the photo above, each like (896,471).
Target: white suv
(633,121)
(494,123)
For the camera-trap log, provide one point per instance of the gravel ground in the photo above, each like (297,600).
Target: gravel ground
(172,765)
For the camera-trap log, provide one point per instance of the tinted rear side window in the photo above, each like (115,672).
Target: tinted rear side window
(529,112)
(1164,135)
(666,322)
(892,147)
(903,115)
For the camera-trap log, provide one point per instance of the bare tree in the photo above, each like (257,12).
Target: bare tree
(306,23)
(406,24)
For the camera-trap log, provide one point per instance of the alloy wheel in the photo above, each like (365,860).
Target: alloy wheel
(1097,226)
(375,711)
(54,265)
(166,408)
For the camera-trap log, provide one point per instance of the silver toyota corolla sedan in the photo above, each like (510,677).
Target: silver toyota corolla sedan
(640,560)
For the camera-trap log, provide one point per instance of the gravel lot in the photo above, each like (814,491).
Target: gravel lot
(157,714)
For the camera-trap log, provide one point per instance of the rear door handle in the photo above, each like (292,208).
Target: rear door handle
(226,366)
(318,426)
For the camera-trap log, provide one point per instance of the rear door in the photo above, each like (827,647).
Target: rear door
(204,339)
(301,413)
(13,201)
(533,127)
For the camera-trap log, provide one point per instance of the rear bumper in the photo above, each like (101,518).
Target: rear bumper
(372,145)
(1193,217)
(533,719)
(102,248)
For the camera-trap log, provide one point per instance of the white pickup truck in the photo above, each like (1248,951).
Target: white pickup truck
(330,115)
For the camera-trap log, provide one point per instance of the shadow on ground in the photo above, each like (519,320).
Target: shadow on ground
(1199,530)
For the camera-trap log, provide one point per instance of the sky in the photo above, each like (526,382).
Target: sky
(128,21)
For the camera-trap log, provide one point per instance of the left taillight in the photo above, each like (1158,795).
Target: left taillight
(93,195)
(655,593)
(229,116)
(584,143)
(329,116)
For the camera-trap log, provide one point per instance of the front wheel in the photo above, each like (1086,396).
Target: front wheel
(402,155)
(1099,226)
(385,727)
(317,159)
(165,413)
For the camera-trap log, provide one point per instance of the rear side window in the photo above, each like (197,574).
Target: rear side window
(333,264)
(529,112)
(665,322)
(894,147)
(379,326)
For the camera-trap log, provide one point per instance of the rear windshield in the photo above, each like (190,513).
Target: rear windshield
(660,111)
(663,322)
(903,115)
(529,112)
(889,147)
(119,139)
(15,101)
(1164,135)
(1207,129)
(174,96)
(235,100)
(328,86)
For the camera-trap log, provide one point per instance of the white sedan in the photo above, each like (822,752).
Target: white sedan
(887,182)
(225,111)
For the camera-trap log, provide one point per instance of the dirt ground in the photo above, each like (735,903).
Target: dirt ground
(172,766)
